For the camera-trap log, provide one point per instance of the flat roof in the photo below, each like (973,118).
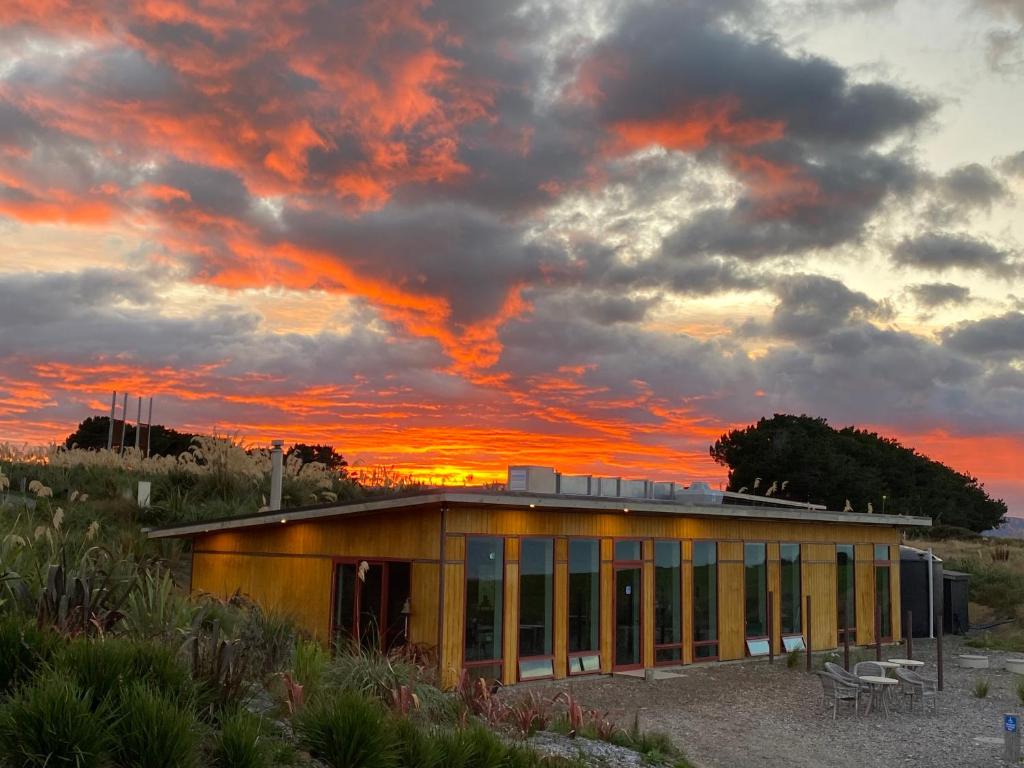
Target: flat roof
(554,502)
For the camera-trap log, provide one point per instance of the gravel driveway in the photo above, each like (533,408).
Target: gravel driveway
(756,714)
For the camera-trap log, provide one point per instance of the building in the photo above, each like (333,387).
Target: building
(949,600)
(562,575)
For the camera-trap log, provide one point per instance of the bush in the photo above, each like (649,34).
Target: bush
(23,649)
(472,747)
(269,639)
(242,742)
(347,730)
(102,666)
(310,664)
(151,730)
(945,532)
(994,585)
(51,723)
(1020,691)
(981,686)
(417,748)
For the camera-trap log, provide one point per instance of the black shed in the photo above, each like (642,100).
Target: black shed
(955,618)
(914,588)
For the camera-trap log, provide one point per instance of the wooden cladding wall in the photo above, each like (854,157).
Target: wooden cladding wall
(818,572)
(731,641)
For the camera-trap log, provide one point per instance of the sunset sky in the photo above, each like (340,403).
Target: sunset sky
(456,235)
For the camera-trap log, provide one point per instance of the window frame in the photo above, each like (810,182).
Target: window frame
(681,645)
(694,643)
(570,655)
(551,617)
(878,565)
(764,596)
(500,661)
(357,598)
(799,589)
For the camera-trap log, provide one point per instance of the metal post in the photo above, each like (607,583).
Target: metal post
(276,473)
(124,423)
(808,633)
(138,424)
(938,652)
(1011,738)
(771,634)
(909,629)
(149,426)
(878,631)
(846,643)
(931,594)
(110,427)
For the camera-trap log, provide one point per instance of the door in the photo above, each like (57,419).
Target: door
(371,603)
(627,617)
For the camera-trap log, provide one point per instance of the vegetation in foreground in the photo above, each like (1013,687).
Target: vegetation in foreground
(104,661)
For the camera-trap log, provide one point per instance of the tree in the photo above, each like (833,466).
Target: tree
(91,434)
(324,454)
(821,464)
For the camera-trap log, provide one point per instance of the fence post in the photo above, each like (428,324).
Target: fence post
(771,633)
(938,649)
(909,629)
(846,643)
(878,631)
(808,633)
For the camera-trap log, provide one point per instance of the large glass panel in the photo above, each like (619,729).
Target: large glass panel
(344,603)
(705,599)
(627,617)
(628,550)
(882,596)
(399,592)
(881,551)
(789,621)
(755,575)
(584,595)
(536,591)
(845,589)
(668,625)
(484,583)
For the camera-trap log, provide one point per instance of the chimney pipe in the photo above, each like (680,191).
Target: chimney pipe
(276,473)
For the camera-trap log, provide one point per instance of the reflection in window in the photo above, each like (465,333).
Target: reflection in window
(883,596)
(628,550)
(755,575)
(484,584)
(668,625)
(845,591)
(584,605)
(705,600)
(789,620)
(536,592)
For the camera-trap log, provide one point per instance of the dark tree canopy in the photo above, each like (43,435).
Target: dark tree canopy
(92,434)
(324,454)
(825,465)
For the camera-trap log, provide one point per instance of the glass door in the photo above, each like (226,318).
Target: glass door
(627,617)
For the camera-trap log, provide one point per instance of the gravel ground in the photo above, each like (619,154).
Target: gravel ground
(756,714)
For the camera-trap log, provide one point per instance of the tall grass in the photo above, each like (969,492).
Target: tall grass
(347,730)
(151,730)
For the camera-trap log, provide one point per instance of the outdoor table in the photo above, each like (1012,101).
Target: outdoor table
(879,685)
(908,663)
(891,664)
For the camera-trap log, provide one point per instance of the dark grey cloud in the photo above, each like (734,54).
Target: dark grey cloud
(972,185)
(607,310)
(932,295)
(1001,336)
(38,298)
(812,305)
(1013,165)
(937,251)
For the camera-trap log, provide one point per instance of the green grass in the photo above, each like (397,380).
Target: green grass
(243,741)
(347,730)
(151,730)
(981,688)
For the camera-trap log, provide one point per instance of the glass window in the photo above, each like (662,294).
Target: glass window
(882,596)
(536,591)
(344,603)
(484,584)
(845,589)
(668,590)
(584,595)
(789,621)
(705,600)
(755,582)
(881,552)
(628,550)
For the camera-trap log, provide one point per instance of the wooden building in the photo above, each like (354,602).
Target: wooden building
(533,584)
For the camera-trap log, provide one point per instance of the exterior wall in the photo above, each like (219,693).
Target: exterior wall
(289,568)
(818,576)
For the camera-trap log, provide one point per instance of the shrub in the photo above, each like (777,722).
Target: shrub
(474,747)
(1020,690)
(242,742)
(50,723)
(102,666)
(347,730)
(793,659)
(151,730)
(417,747)
(310,664)
(981,686)
(23,648)
(268,639)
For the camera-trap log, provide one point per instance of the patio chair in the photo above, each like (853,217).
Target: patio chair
(914,686)
(869,669)
(849,677)
(835,689)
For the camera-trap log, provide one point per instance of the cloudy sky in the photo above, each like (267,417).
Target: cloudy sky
(458,234)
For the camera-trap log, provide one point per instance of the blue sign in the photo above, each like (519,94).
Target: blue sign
(1010,723)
